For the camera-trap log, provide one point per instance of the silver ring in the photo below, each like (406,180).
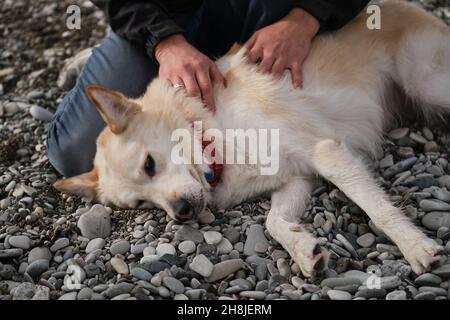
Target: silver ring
(179,85)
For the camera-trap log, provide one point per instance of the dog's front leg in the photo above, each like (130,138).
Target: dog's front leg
(288,204)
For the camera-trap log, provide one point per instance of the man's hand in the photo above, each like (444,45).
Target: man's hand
(181,63)
(284,44)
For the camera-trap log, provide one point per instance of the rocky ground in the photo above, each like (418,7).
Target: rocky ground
(57,247)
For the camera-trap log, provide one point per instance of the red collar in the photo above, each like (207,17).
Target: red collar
(213,177)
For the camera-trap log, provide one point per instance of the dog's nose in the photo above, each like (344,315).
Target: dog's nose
(183,210)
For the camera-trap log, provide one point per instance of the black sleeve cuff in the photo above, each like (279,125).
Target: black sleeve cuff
(159,32)
(319,9)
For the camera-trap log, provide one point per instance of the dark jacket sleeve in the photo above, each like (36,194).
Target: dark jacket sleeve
(143,22)
(332,14)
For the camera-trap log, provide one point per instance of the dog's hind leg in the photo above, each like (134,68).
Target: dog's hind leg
(288,204)
(335,163)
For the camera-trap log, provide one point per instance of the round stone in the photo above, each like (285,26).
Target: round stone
(187,247)
(95,244)
(442,271)
(232,235)
(39,253)
(257,295)
(40,113)
(434,205)
(206,217)
(120,247)
(138,248)
(85,294)
(225,246)
(173,284)
(189,233)
(95,223)
(141,274)
(396,295)
(436,219)
(202,265)
(212,237)
(428,279)
(165,248)
(398,133)
(366,240)
(149,259)
(119,265)
(149,251)
(22,242)
(59,244)
(224,269)
(69,296)
(339,295)
(36,268)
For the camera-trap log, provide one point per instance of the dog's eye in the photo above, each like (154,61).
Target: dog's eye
(149,166)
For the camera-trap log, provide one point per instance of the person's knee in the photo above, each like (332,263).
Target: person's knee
(69,154)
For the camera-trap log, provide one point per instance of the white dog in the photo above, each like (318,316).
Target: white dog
(341,113)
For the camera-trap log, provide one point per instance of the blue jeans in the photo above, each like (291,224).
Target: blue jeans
(125,67)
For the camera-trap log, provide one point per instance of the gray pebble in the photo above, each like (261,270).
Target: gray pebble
(40,113)
(59,244)
(95,244)
(425,296)
(69,296)
(232,235)
(225,268)
(39,253)
(434,205)
(428,279)
(436,219)
(396,295)
(255,235)
(437,291)
(141,274)
(119,265)
(257,295)
(188,233)
(398,133)
(338,295)
(36,268)
(202,265)
(366,240)
(120,246)
(22,242)
(173,284)
(212,237)
(165,248)
(187,247)
(95,223)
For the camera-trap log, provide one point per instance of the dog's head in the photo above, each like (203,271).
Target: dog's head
(133,167)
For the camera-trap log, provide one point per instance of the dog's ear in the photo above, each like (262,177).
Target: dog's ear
(114,107)
(84,185)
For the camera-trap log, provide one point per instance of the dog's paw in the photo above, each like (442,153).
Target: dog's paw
(423,255)
(312,261)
